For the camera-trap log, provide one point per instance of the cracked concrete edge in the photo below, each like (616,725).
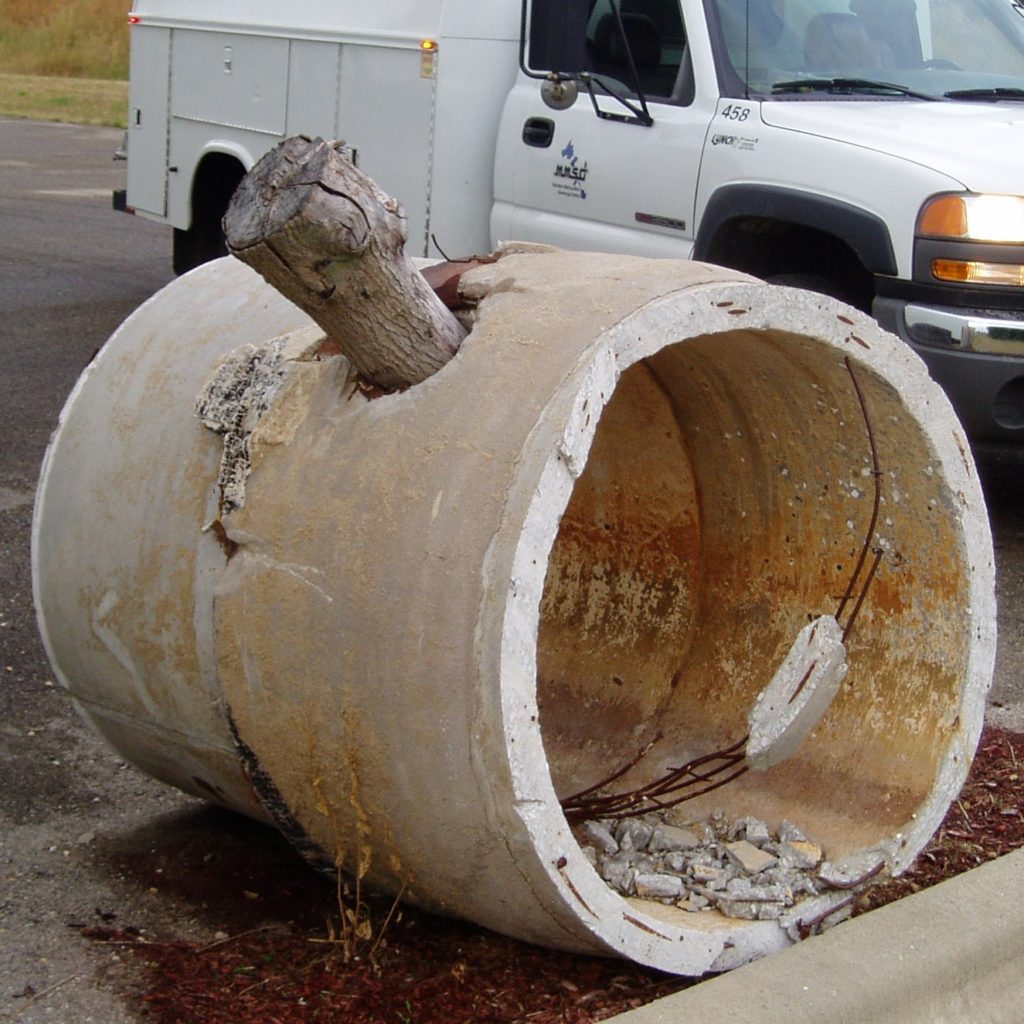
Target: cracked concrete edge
(951,953)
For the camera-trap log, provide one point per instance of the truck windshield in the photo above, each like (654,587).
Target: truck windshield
(900,49)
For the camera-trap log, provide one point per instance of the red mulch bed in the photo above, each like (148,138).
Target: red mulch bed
(426,969)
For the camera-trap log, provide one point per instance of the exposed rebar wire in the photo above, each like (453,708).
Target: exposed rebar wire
(863,593)
(876,474)
(674,787)
(631,763)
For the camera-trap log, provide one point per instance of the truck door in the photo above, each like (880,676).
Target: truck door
(617,171)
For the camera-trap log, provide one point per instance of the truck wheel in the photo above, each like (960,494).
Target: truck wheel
(202,242)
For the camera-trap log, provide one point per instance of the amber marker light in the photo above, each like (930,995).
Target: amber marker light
(428,57)
(977,272)
(945,217)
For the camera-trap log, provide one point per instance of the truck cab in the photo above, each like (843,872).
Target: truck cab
(868,149)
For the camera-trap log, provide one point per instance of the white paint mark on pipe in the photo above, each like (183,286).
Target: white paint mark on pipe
(262,563)
(113,643)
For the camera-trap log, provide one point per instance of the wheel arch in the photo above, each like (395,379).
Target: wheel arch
(765,229)
(220,162)
(219,169)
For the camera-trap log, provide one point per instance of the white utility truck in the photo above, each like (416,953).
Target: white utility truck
(869,149)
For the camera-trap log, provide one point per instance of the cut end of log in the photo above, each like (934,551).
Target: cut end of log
(274,190)
(321,232)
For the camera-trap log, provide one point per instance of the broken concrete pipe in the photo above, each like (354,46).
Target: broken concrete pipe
(649,508)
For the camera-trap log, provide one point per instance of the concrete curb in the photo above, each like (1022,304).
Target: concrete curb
(953,953)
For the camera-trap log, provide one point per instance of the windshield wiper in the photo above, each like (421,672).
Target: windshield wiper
(998,93)
(848,86)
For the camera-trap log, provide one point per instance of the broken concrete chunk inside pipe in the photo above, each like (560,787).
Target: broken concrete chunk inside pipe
(440,612)
(799,694)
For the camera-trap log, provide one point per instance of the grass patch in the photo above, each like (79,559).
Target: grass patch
(65,61)
(71,39)
(74,100)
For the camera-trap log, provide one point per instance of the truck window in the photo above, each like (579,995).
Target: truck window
(759,36)
(655,39)
(934,47)
(969,34)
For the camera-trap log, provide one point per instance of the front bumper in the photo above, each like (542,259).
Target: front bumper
(976,356)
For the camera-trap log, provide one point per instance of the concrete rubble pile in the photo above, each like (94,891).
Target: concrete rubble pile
(739,868)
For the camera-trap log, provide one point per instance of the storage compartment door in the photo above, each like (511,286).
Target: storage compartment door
(147,119)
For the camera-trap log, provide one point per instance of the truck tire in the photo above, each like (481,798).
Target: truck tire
(199,244)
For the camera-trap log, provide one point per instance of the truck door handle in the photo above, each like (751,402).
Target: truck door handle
(538,131)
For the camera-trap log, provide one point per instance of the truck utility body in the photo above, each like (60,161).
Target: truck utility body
(871,149)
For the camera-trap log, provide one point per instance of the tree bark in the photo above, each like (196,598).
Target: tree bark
(323,234)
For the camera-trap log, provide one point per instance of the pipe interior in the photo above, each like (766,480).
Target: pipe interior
(725,502)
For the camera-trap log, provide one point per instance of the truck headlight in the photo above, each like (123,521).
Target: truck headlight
(974,218)
(972,239)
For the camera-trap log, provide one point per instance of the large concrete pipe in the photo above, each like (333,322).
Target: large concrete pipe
(406,626)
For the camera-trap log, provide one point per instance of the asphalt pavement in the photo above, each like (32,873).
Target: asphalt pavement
(84,838)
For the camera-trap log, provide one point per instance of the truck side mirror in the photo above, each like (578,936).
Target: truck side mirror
(559,93)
